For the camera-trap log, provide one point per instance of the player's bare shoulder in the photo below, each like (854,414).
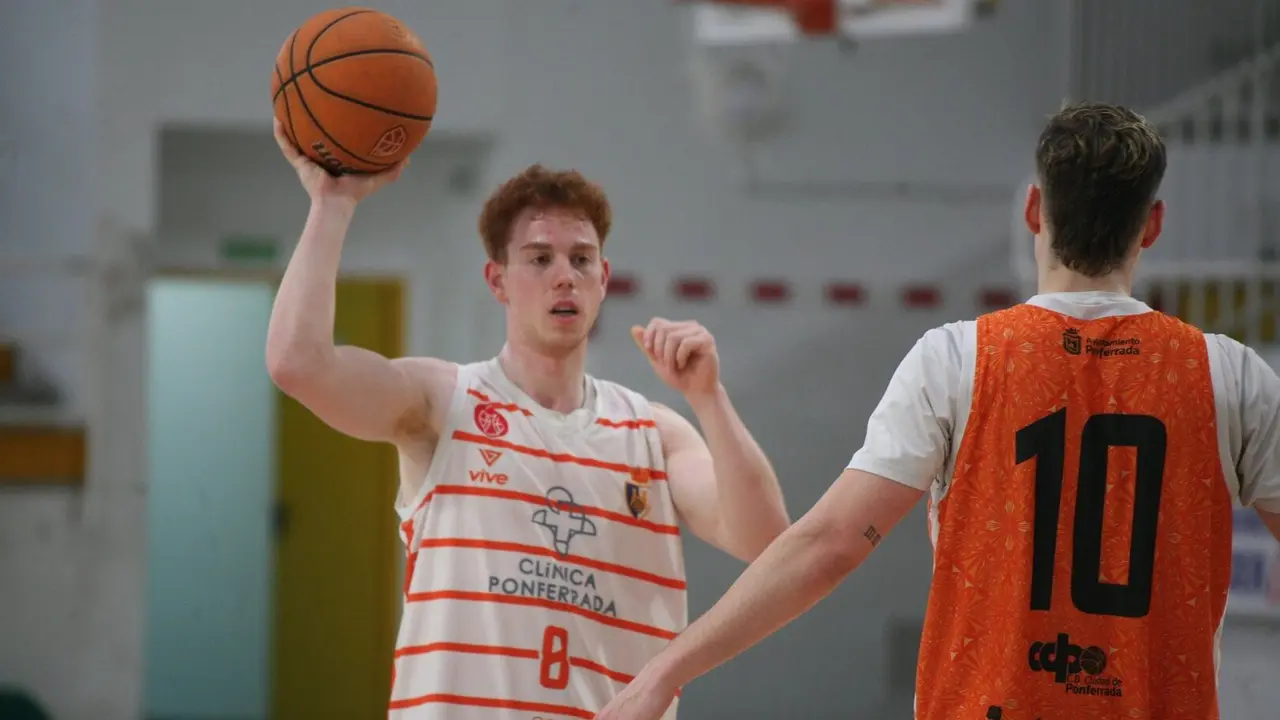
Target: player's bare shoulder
(673,427)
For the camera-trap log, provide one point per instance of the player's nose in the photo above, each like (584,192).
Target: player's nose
(563,275)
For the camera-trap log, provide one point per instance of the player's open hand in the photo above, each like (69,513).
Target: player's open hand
(683,354)
(319,184)
(638,701)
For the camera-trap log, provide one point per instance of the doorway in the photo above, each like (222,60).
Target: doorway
(337,551)
(273,555)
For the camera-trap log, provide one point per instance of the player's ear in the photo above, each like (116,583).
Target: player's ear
(604,272)
(1155,223)
(495,278)
(1031,211)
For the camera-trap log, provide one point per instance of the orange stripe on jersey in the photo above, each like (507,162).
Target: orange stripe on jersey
(407,528)
(635,472)
(472,596)
(1083,553)
(512,407)
(509,407)
(411,558)
(549,552)
(585,664)
(627,424)
(410,566)
(511,652)
(623,518)
(468,648)
(451,699)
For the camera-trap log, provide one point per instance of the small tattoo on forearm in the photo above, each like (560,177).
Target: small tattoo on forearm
(872,536)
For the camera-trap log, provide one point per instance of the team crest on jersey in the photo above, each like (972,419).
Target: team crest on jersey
(1071,341)
(637,500)
(489,421)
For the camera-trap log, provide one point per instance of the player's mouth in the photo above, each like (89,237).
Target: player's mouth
(565,311)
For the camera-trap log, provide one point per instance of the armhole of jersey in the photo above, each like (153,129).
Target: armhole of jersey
(457,401)
(653,436)
(1225,388)
(964,393)
(644,411)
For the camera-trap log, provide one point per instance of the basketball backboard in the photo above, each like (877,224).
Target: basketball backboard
(756,23)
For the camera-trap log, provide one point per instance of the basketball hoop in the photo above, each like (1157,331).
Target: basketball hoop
(754,22)
(742,48)
(813,18)
(816,17)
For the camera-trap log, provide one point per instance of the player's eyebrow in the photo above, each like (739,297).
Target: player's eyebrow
(541,246)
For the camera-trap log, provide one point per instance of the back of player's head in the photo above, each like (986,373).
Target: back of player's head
(1099,167)
(541,188)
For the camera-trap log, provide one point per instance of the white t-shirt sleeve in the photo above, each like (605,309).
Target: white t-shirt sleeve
(1247,394)
(910,433)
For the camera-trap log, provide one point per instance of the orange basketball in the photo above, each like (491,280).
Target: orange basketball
(355,90)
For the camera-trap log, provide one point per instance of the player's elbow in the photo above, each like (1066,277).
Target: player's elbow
(292,367)
(836,552)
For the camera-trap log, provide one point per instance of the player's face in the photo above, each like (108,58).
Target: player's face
(553,281)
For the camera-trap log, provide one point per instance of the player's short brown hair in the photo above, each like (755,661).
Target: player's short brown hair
(1099,167)
(544,189)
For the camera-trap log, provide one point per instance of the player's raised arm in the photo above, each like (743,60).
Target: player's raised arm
(355,391)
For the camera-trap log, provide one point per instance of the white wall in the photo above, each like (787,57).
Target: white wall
(70,592)
(602,86)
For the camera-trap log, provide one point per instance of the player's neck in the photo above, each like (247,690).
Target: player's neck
(1060,279)
(555,382)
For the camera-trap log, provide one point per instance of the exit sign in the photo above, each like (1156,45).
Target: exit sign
(249,249)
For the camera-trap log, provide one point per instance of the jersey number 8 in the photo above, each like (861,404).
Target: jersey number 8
(1045,441)
(553,670)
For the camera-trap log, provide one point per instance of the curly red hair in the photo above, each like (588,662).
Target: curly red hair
(543,189)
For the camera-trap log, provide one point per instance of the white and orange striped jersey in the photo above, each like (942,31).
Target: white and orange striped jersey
(545,566)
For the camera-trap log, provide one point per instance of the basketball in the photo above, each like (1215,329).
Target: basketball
(1093,660)
(355,90)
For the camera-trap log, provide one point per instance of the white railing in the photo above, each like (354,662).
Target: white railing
(1142,52)
(1217,264)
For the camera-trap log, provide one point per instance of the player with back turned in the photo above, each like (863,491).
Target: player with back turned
(1081,454)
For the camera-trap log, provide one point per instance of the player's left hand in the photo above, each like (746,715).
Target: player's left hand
(638,701)
(683,354)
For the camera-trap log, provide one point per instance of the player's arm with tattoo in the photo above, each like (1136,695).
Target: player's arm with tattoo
(800,568)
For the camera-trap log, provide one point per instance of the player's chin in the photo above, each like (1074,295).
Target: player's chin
(566,335)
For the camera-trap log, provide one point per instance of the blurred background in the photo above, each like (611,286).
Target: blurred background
(178,542)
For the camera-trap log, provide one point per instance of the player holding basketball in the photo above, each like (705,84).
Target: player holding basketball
(539,504)
(1081,453)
